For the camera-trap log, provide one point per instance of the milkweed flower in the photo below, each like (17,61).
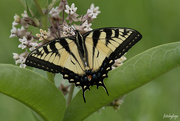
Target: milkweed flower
(54,12)
(33,45)
(71,10)
(68,30)
(86,26)
(43,35)
(118,62)
(59,26)
(20,59)
(93,11)
(24,43)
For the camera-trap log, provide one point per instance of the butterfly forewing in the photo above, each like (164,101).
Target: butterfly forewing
(109,43)
(95,54)
(57,56)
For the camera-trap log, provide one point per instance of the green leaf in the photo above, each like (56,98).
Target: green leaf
(32,9)
(136,72)
(33,90)
(43,3)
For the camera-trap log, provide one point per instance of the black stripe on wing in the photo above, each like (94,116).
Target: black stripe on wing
(34,58)
(37,58)
(126,45)
(41,64)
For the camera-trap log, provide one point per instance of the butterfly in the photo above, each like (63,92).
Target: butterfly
(84,59)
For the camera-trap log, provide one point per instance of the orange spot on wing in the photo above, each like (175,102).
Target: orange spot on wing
(89,77)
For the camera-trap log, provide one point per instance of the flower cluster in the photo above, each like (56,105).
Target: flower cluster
(63,21)
(118,62)
(117,103)
(20,58)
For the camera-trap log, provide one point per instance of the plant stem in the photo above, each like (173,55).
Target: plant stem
(70,94)
(44,21)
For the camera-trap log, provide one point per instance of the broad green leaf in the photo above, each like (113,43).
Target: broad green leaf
(134,73)
(33,90)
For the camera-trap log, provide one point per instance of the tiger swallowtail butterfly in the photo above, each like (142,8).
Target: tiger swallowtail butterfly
(84,59)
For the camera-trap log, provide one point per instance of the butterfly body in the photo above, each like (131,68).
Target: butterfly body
(84,59)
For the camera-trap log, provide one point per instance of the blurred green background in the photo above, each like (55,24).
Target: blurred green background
(159,23)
